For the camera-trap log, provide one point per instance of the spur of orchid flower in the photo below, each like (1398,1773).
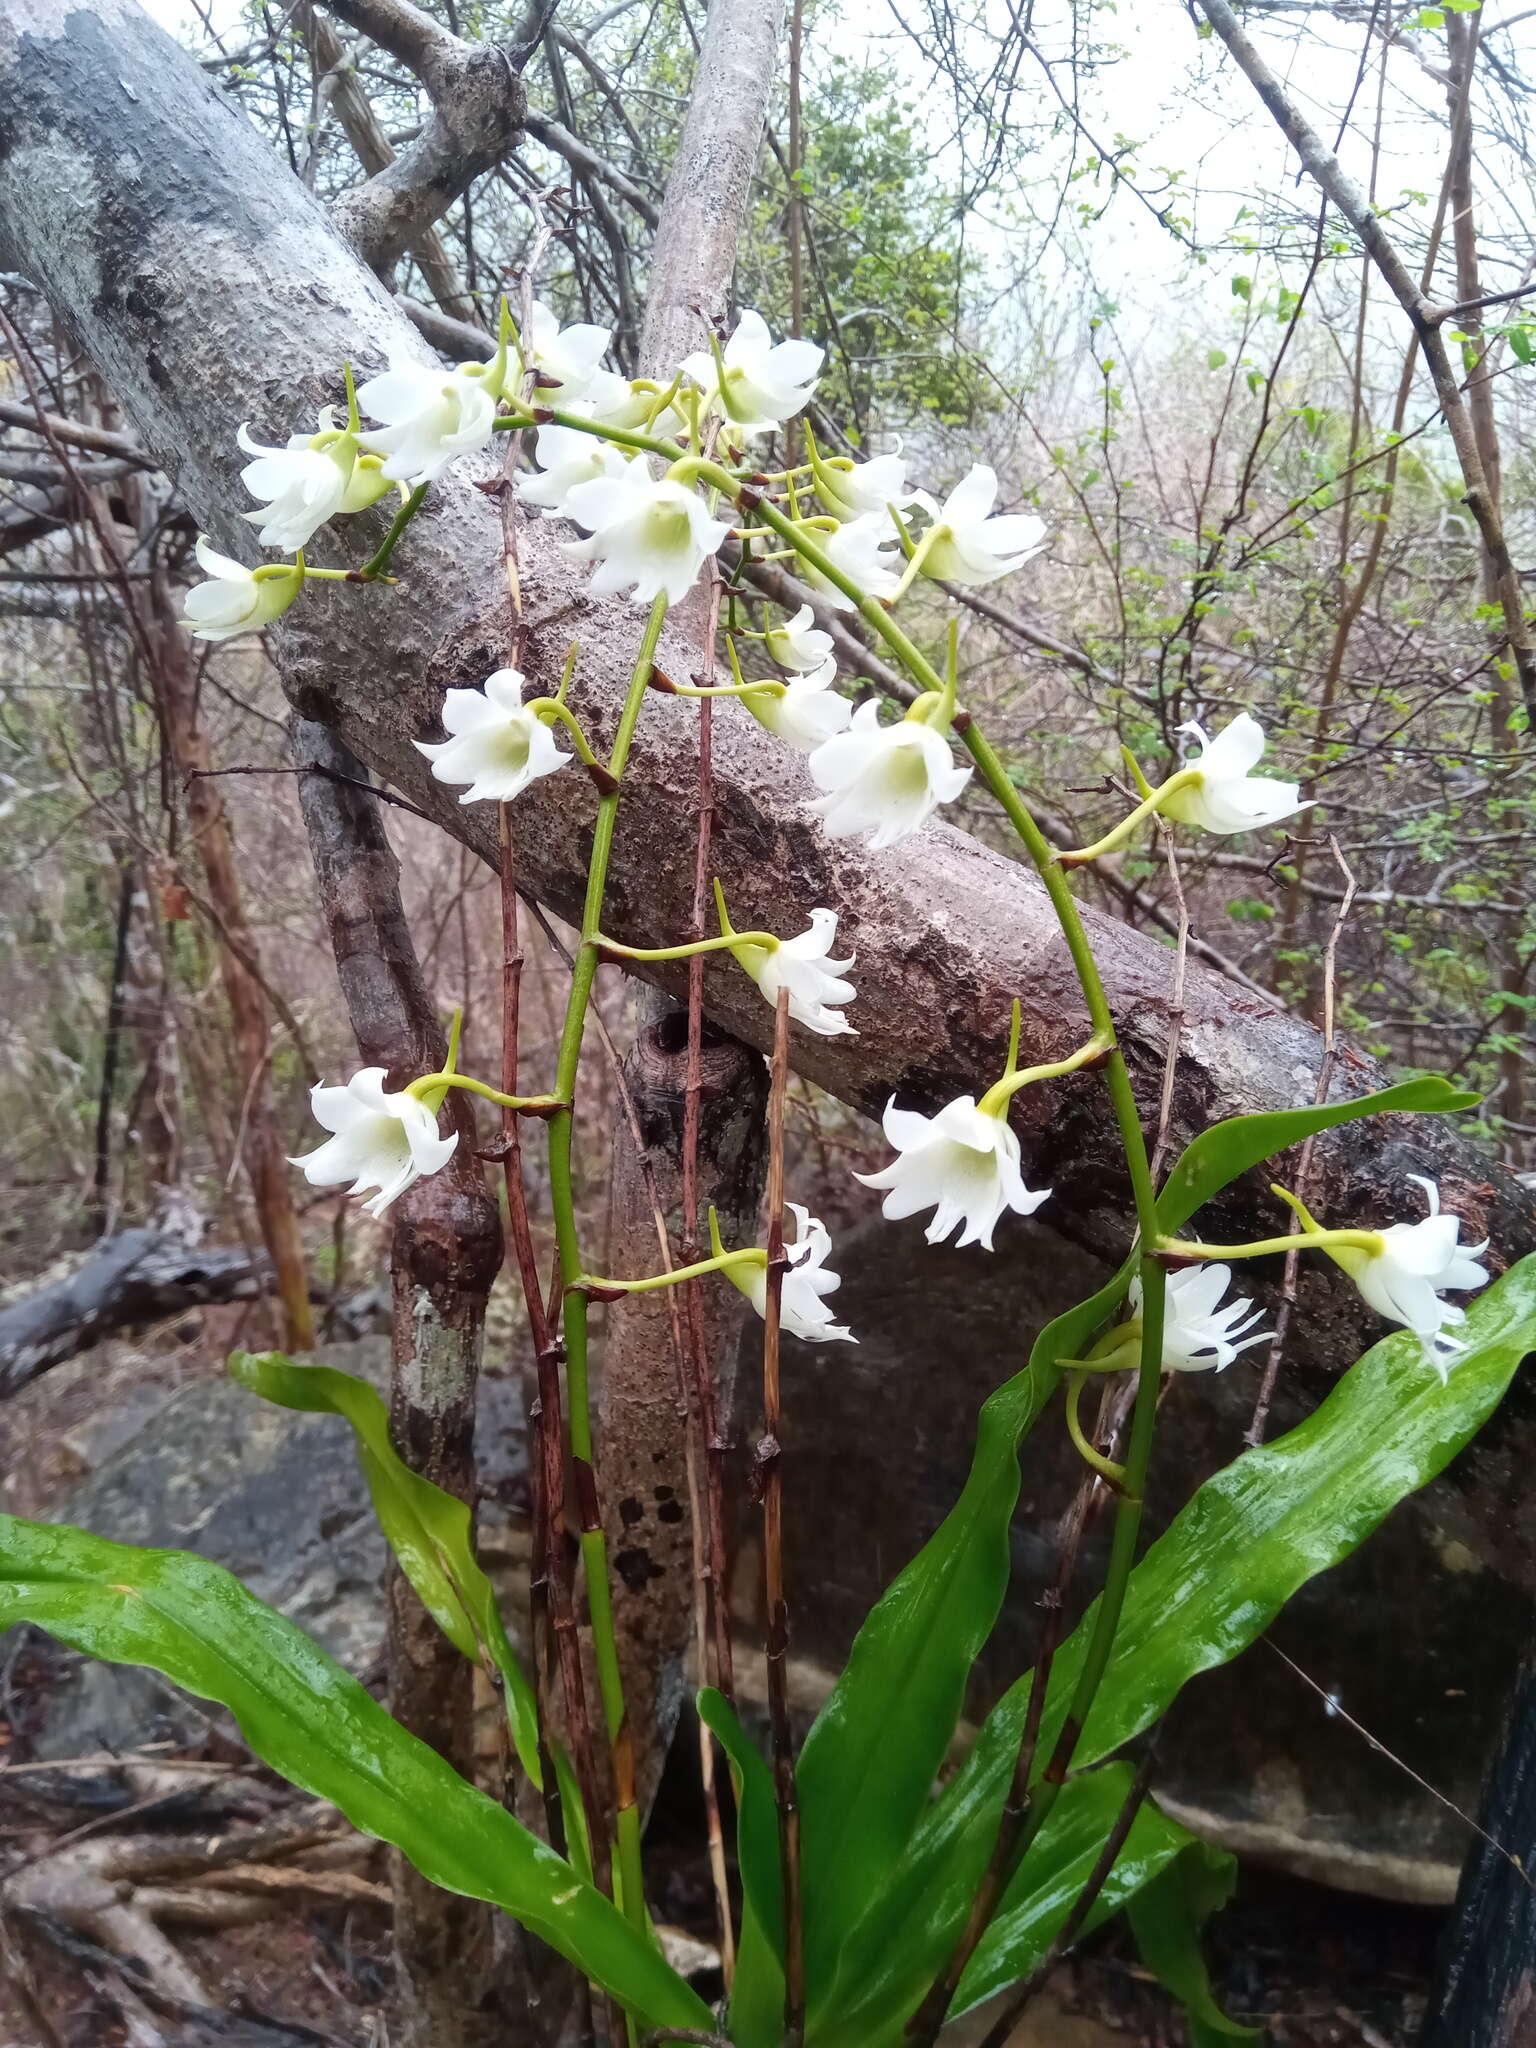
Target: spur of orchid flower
(235,599)
(431,416)
(803,1311)
(317,477)
(755,382)
(566,358)
(495,742)
(652,533)
(962,1163)
(968,543)
(566,457)
(883,780)
(807,713)
(379,1139)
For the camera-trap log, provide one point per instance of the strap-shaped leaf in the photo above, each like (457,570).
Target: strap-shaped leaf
(429,1531)
(1227,1150)
(757,1994)
(870,1761)
(1211,1584)
(312,1722)
(1166,1918)
(1035,1905)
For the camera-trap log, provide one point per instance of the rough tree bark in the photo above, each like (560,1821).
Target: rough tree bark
(210,288)
(445,1255)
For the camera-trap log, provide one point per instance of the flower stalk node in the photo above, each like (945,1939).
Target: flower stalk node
(605,783)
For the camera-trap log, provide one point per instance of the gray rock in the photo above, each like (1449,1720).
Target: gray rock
(279,1500)
(1417,1636)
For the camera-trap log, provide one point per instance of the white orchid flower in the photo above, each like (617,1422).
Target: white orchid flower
(802,1311)
(798,644)
(758,384)
(801,965)
(968,544)
(566,457)
(849,490)
(1198,1334)
(303,485)
(652,533)
(1226,797)
(566,358)
(430,417)
(495,744)
(235,599)
(864,550)
(962,1163)
(883,780)
(1417,1262)
(380,1140)
(618,402)
(809,713)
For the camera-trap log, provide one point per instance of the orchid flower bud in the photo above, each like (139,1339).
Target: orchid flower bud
(797,644)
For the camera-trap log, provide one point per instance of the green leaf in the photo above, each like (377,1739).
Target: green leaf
(1213,1582)
(430,1531)
(869,1763)
(757,1993)
(312,1722)
(1035,1905)
(1166,1918)
(1218,1156)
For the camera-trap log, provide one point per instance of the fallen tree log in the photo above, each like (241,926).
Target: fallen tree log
(210,289)
(131,1278)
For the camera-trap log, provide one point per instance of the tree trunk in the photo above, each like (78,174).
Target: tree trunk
(445,1256)
(261,1146)
(1485,1990)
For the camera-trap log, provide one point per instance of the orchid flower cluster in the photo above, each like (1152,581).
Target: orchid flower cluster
(655,479)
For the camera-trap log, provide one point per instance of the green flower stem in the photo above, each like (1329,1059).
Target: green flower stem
(762,689)
(750,1255)
(442,1082)
(621,437)
(372,571)
(1122,1097)
(766,941)
(1128,1508)
(1369,1241)
(594,1549)
(997,1097)
(1186,778)
(1105,1467)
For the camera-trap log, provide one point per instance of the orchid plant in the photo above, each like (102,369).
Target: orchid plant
(873,1910)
